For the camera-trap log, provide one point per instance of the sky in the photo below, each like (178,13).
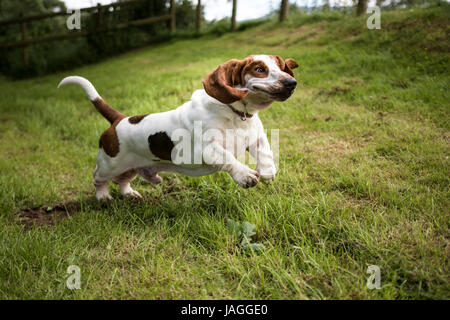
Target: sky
(218,9)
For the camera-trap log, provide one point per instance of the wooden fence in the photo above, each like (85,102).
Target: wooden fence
(100,10)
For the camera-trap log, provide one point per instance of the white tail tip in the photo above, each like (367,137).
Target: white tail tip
(84,83)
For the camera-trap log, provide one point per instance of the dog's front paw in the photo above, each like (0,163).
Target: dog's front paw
(132,193)
(246,177)
(267,173)
(103,196)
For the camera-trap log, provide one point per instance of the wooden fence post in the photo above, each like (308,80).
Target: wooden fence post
(24,38)
(173,26)
(198,21)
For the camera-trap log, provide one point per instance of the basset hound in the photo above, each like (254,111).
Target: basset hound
(202,136)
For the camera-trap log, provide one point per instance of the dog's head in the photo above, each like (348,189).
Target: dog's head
(267,78)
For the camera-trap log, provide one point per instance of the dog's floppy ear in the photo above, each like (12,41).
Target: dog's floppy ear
(291,63)
(219,83)
(287,65)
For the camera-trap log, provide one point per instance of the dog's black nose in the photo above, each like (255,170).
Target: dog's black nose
(289,83)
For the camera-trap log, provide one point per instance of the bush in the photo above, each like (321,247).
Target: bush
(59,55)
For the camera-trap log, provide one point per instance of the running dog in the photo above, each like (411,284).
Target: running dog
(232,96)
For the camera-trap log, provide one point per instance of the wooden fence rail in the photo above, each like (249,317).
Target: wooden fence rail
(25,42)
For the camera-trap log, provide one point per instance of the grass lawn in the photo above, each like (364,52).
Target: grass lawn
(363,173)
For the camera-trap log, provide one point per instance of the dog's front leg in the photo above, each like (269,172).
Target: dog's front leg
(215,154)
(259,149)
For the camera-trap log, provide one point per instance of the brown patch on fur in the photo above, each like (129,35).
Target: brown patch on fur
(161,145)
(109,141)
(127,176)
(136,119)
(287,65)
(251,67)
(46,215)
(108,112)
(219,83)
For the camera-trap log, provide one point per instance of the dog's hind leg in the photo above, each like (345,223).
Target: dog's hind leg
(150,174)
(105,170)
(123,180)
(101,185)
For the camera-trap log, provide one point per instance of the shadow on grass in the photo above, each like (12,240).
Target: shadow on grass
(146,209)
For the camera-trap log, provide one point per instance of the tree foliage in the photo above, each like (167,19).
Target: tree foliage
(66,54)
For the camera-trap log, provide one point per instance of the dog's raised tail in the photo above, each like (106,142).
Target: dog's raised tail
(105,110)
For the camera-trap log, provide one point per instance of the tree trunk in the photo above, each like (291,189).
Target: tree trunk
(233,16)
(284,10)
(361,7)
(173,23)
(198,21)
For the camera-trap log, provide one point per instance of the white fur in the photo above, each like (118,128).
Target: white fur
(84,83)
(134,146)
(135,152)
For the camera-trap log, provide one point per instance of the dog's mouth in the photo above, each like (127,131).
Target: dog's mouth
(278,95)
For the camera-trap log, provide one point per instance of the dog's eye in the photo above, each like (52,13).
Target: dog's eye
(260,69)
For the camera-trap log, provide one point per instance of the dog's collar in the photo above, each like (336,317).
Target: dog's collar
(242,115)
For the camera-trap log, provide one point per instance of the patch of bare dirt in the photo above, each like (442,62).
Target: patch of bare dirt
(47,214)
